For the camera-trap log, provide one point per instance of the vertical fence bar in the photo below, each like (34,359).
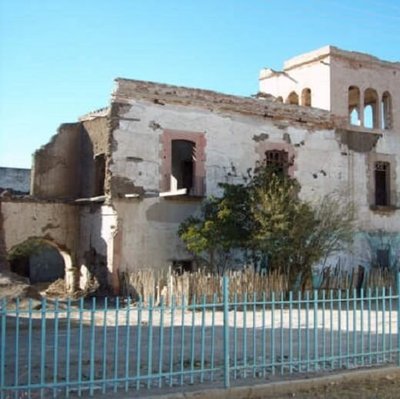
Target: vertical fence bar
(80,346)
(383,324)
(290,333)
(29,346)
(273,333)
(171,341)
(377,324)
(340,327)
(3,310)
(43,348)
(226,332)
(362,325)
(245,335)
(308,330)
(331,336)
(390,323)
(398,318)
(347,328)
(104,351)
(160,343)
(281,334)
(55,359)
(315,330)
(299,334)
(355,358)
(92,345)
(264,352)
(139,342)
(323,329)
(192,340)
(235,338)
(254,335)
(150,343)
(16,359)
(203,326)
(182,339)
(213,336)
(68,345)
(369,326)
(127,341)
(116,344)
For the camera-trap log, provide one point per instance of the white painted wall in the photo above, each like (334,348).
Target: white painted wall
(150,241)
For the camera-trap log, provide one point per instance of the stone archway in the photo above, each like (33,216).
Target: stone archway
(42,260)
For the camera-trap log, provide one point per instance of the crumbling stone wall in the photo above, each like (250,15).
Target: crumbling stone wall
(3,252)
(56,166)
(50,221)
(94,144)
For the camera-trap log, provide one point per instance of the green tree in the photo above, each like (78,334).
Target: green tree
(266,218)
(222,228)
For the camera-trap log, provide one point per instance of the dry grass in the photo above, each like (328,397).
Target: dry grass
(196,286)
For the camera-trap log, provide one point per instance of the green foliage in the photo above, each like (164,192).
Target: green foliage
(267,218)
(27,248)
(222,228)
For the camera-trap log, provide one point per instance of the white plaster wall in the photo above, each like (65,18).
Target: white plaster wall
(148,232)
(315,76)
(322,165)
(98,227)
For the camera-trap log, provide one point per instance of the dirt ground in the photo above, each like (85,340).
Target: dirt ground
(379,388)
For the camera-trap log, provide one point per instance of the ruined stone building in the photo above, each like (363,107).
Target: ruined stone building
(109,191)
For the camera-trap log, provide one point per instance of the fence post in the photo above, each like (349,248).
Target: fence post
(398,319)
(225,283)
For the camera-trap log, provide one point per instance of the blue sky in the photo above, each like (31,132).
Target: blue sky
(59,58)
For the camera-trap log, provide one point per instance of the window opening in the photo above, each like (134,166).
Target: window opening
(182,266)
(382,189)
(386,111)
(277,160)
(354,106)
(306,97)
(183,165)
(371,109)
(383,258)
(293,98)
(100,174)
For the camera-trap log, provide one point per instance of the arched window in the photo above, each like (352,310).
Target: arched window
(354,106)
(293,98)
(371,109)
(386,111)
(306,97)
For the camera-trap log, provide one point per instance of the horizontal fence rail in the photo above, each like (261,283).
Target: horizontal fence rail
(60,349)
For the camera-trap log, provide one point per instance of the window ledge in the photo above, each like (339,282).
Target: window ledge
(181,194)
(175,193)
(383,208)
(364,129)
(99,198)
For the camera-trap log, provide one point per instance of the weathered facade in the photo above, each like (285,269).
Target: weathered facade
(132,172)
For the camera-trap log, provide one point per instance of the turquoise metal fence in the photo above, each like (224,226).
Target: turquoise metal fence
(79,348)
